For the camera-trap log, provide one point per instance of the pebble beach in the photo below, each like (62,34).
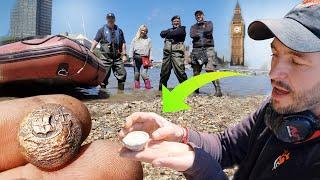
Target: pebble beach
(208,114)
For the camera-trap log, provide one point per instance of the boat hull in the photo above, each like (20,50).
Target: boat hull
(58,59)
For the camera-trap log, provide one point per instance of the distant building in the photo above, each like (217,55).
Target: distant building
(31,18)
(237,38)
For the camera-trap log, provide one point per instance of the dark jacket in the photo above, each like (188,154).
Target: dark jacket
(257,152)
(201,34)
(177,35)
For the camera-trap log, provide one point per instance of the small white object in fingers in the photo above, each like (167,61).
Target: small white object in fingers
(136,140)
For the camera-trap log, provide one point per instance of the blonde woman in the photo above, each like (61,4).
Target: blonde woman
(141,49)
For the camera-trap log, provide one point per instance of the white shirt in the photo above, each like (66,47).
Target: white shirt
(141,46)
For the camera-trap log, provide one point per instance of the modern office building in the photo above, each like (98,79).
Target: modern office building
(31,18)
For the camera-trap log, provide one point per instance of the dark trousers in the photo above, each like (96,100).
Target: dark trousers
(172,59)
(117,66)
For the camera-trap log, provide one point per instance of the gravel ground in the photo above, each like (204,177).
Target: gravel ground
(208,114)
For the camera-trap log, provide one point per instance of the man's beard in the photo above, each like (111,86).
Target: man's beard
(306,100)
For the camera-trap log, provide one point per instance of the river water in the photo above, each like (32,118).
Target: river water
(234,86)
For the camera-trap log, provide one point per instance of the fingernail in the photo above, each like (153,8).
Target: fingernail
(156,134)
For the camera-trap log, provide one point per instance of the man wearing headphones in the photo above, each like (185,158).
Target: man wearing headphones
(173,52)
(278,141)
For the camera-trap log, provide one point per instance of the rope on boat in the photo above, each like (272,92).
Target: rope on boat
(61,36)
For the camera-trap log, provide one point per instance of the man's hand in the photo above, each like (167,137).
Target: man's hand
(124,58)
(158,127)
(93,46)
(176,156)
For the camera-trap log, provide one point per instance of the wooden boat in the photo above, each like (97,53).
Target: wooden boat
(55,59)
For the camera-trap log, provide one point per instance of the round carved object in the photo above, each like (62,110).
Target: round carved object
(50,136)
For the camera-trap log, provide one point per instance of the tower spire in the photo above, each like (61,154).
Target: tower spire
(238,5)
(237,16)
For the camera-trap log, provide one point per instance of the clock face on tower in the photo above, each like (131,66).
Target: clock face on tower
(237,29)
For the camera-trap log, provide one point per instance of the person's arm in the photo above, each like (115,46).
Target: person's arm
(177,33)
(124,47)
(164,33)
(131,50)
(150,49)
(194,33)
(94,45)
(224,149)
(208,28)
(96,40)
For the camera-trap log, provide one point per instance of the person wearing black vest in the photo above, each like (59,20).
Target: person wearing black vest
(203,53)
(173,52)
(113,47)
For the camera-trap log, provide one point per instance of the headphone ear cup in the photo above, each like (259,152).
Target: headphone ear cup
(290,128)
(296,128)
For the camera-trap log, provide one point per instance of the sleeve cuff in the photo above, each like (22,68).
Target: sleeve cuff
(204,166)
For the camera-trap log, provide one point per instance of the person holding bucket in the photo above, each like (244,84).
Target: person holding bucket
(140,53)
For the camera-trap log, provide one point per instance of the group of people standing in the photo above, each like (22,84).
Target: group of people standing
(113,47)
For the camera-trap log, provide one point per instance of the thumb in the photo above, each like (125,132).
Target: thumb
(162,133)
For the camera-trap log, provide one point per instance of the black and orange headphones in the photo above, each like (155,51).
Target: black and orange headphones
(292,128)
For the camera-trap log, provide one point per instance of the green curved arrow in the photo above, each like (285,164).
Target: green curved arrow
(174,101)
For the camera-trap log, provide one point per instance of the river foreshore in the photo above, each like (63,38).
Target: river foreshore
(208,114)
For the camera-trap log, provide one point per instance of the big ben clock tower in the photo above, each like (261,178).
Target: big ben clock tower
(237,38)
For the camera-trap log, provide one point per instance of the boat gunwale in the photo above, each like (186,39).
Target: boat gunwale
(50,51)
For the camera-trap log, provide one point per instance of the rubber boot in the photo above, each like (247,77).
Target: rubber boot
(160,86)
(121,86)
(217,87)
(147,84)
(137,84)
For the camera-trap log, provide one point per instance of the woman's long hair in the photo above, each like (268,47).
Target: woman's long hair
(138,35)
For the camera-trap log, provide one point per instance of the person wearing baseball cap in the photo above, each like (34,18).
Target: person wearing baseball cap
(173,52)
(113,47)
(203,53)
(298,30)
(280,140)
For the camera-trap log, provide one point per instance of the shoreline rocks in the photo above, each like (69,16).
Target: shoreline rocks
(208,114)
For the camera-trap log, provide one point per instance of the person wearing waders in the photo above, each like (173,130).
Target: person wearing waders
(141,48)
(203,53)
(113,47)
(173,52)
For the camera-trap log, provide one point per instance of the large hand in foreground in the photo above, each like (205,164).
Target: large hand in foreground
(176,156)
(158,127)
(99,161)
